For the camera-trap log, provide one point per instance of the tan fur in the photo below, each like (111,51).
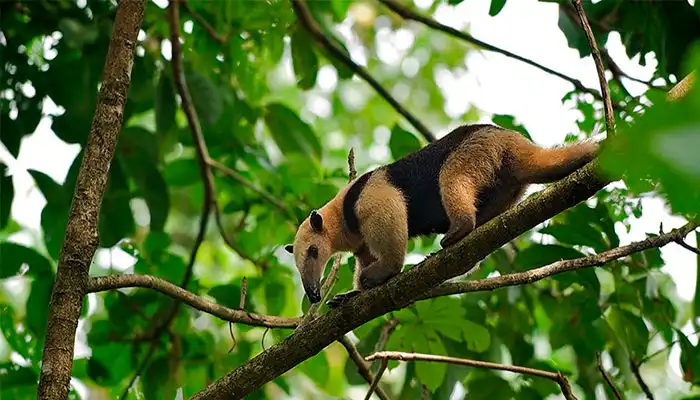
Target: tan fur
(384,229)
(472,168)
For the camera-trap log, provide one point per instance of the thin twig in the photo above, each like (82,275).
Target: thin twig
(206,25)
(638,376)
(113,282)
(688,247)
(522,278)
(384,334)
(401,356)
(244,292)
(665,348)
(375,382)
(607,101)
(408,14)
(607,378)
(362,367)
(232,243)
(304,16)
(250,185)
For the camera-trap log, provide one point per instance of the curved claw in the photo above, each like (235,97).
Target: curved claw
(341,298)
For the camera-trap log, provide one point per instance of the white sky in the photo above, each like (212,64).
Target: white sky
(491,82)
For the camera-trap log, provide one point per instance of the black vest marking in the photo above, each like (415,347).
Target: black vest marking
(417,176)
(352,224)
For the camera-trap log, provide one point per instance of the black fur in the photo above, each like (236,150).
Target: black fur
(417,177)
(352,224)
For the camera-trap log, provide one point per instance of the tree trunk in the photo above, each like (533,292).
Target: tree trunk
(81,238)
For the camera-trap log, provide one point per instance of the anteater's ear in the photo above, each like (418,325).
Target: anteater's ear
(316,221)
(289,248)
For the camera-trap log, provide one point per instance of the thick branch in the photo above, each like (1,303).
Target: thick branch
(559,267)
(113,282)
(607,101)
(362,367)
(304,16)
(407,13)
(554,376)
(81,238)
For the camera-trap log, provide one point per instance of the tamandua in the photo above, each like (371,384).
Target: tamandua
(450,186)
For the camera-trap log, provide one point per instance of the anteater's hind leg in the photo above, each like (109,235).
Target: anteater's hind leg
(459,199)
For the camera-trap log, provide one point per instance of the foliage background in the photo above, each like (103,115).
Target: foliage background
(277,110)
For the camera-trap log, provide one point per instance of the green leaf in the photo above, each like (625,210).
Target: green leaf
(206,97)
(227,295)
(165,106)
(477,336)
(158,382)
(38,303)
(431,374)
(402,142)
(13,256)
(11,333)
(496,7)
(538,255)
(304,59)
(317,369)
(690,359)
(508,121)
(182,172)
(109,363)
(12,375)
(7,193)
(291,134)
(696,299)
(630,329)
(578,235)
(116,221)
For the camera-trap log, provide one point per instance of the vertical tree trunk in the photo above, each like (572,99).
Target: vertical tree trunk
(81,238)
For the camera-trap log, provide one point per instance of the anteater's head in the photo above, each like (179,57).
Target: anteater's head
(312,249)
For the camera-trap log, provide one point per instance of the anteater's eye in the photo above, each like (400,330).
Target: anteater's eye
(313,251)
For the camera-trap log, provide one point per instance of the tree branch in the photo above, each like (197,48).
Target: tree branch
(607,101)
(82,237)
(250,185)
(408,14)
(375,381)
(553,376)
(688,247)
(607,378)
(362,367)
(305,18)
(113,282)
(681,88)
(638,376)
(534,275)
(206,25)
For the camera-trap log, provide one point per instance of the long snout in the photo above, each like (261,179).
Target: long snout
(313,291)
